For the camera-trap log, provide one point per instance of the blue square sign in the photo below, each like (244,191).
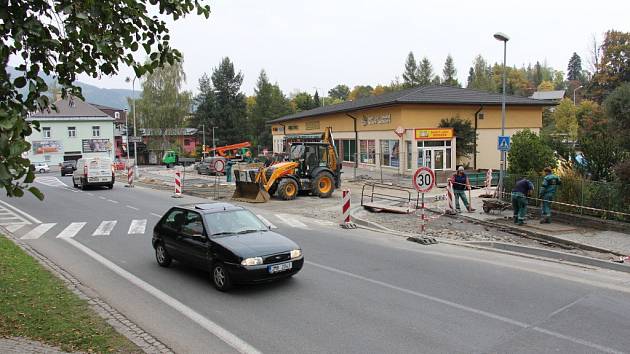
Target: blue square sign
(503,143)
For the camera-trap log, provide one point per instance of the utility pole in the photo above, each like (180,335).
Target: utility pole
(127,134)
(203,129)
(135,149)
(214,145)
(503,38)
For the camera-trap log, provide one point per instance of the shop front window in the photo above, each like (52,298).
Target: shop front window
(347,149)
(367,151)
(409,154)
(435,154)
(390,153)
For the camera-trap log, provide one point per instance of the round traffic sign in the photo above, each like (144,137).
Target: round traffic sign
(219,165)
(424,179)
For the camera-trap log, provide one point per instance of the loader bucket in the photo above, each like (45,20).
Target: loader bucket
(251,192)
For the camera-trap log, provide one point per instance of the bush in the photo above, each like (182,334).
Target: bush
(529,154)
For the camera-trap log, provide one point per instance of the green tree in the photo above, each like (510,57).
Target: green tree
(410,75)
(464,135)
(340,92)
(613,68)
(617,109)
(303,101)
(204,102)
(65,39)
(602,152)
(267,103)
(480,76)
(529,153)
(425,72)
(574,69)
(229,109)
(546,86)
(538,74)
(162,104)
(360,91)
(449,73)
(565,119)
(316,100)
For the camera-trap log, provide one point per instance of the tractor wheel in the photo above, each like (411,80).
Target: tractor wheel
(272,190)
(323,185)
(287,189)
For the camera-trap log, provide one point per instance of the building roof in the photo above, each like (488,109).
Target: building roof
(100,106)
(169,131)
(548,95)
(71,109)
(420,95)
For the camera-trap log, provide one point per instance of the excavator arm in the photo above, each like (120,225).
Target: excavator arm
(331,158)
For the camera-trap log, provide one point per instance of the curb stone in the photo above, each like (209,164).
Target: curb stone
(503,248)
(119,322)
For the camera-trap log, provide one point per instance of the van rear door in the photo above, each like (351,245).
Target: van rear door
(99,170)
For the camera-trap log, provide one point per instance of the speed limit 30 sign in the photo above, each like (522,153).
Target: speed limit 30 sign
(424,179)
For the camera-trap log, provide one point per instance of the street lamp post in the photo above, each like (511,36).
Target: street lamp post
(135,145)
(574,91)
(503,38)
(214,145)
(127,133)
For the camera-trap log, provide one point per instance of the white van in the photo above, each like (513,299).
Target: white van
(94,171)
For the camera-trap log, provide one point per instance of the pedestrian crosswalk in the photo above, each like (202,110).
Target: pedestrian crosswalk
(27,230)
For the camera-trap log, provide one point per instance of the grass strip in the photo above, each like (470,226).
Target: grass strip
(37,305)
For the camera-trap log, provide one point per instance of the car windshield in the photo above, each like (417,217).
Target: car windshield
(233,222)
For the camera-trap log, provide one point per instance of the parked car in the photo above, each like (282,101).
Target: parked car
(41,167)
(68,167)
(208,165)
(227,240)
(94,171)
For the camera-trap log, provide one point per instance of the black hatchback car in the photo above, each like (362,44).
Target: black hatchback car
(68,167)
(229,241)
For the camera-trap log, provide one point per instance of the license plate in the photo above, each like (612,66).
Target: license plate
(276,268)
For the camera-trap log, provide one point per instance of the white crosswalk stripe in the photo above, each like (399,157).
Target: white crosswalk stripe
(71,230)
(14,227)
(105,228)
(137,227)
(291,220)
(266,222)
(38,231)
(50,181)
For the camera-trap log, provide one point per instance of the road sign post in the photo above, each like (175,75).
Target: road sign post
(219,167)
(423,181)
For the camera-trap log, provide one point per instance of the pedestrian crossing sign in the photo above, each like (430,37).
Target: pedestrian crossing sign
(504,143)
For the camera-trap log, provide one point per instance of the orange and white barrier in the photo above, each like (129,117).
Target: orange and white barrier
(488,181)
(345,208)
(130,176)
(450,202)
(178,184)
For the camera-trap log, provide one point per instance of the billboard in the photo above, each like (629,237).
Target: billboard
(41,147)
(96,145)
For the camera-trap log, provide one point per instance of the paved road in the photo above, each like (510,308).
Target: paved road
(359,292)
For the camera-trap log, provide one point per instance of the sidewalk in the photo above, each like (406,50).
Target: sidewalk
(595,239)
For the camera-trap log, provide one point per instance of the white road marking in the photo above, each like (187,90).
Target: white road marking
(105,228)
(50,181)
(132,207)
(91,194)
(322,222)
(291,221)
(158,215)
(38,231)
(112,201)
(467,309)
(101,197)
(218,331)
(14,227)
(33,219)
(71,230)
(266,222)
(137,226)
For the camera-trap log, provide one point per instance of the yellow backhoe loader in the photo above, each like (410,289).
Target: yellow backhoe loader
(313,167)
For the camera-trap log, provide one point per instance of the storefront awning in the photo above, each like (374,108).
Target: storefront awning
(302,136)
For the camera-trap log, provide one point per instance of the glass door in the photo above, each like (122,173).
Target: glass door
(438,159)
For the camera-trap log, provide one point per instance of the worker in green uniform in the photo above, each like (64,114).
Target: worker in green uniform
(522,189)
(547,192)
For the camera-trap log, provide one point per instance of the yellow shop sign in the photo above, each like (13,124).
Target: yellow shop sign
(434,134)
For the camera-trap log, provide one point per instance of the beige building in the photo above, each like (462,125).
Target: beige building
(399,130)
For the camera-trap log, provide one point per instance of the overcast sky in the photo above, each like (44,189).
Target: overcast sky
(307,44)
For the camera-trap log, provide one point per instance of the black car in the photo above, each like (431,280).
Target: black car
(229,241)
(68,167)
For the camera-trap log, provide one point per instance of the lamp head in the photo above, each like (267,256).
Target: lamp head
(500,36)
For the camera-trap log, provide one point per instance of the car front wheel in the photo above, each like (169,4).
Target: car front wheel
(162,256)
(41,170)
(221,278)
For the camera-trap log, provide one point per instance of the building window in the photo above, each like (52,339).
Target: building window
(367,151)
(186,142)
(347,149)
(390,153)
(313,125)
(96,130)
(46,132)
(436,154)
(117,115)
(47,158)
(72,132)
(293,127)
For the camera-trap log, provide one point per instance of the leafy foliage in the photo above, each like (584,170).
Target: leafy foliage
(613,68)
(529,154)
(229,112)
(425,72)
(66,38)
(565,119)
(617,108)
(590,119)
(602,153)
(360,91)
(410,75)
(574,69)
(449,73)
(303,101)
(268,103)
(480,76)
(464,133)
(340,92)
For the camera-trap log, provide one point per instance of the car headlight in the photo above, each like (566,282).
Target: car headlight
(296,253)
(252,261)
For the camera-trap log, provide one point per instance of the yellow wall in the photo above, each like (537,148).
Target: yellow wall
(419,116)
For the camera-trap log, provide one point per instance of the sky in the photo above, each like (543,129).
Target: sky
(315,45)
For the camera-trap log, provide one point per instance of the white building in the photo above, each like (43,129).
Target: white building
(76,129)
